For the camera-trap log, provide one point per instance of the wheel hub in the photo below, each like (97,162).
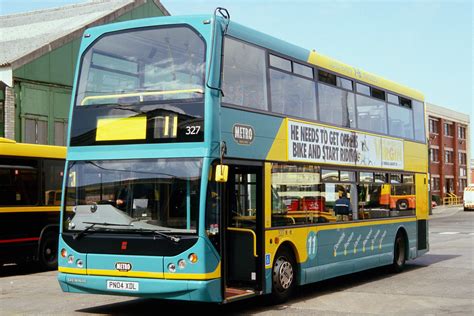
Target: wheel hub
(286,275)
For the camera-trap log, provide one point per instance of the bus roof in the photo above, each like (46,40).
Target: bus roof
(319,60)
(10,147)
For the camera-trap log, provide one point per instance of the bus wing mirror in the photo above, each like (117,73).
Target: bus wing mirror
(222,173)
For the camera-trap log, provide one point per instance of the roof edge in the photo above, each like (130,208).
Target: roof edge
(78,33)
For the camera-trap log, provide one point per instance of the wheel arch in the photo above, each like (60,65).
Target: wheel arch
(403,232)
(46,229)
(291,248)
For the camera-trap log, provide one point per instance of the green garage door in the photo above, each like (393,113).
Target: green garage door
(42,113)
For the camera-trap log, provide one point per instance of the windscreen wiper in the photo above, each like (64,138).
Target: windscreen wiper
(175,239)
(91,226)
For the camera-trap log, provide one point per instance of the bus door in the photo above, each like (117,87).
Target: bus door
(243,218)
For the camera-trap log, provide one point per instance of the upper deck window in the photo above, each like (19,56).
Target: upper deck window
(141,85)
(327,77)
(278,62)
(303,70)
(143,65)
(244,78)
(392,98)
(362,88)
(292,95)
(419,119)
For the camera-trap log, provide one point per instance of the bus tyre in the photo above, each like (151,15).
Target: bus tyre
(402,205)
(283,275)
(399,254)
(48,250)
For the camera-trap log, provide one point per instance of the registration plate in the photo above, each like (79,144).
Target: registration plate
(122,286)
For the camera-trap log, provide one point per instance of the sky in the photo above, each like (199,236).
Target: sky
(424,44)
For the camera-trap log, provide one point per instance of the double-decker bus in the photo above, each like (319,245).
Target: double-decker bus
(30,198)
(210,162)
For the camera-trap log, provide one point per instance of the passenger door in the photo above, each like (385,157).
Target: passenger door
(243,214)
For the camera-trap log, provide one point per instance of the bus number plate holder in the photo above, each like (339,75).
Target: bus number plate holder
(122,286)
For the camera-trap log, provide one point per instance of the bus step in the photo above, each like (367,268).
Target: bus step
(232,294)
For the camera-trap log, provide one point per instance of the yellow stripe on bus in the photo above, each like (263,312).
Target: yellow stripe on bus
(29,209)
(143,274)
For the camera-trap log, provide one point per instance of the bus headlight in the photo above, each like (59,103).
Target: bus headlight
(70,259)
(172,267)
(182,264)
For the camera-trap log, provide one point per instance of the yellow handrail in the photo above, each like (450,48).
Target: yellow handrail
(245,230)
(139,94)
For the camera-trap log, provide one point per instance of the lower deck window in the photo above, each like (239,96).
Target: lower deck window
(305,194)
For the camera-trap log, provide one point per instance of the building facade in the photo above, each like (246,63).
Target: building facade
(37,70)
(448,151)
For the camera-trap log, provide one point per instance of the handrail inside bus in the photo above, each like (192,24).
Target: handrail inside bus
(246,230)
(139,94)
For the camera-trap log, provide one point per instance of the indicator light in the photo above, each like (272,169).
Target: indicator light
(63,253)
(193,258)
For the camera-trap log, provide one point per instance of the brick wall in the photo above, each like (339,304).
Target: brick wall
(9,113)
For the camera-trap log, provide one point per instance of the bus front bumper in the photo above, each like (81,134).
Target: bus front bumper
(189,290)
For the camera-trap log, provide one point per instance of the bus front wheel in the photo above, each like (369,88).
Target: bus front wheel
(48,250)
(283,275)
(399,254)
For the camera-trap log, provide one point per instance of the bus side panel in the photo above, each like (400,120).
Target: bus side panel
(20,232)
(329,251)
(265,129)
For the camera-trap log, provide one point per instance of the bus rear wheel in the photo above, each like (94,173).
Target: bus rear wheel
(48,250)
(283,275)
(399,254)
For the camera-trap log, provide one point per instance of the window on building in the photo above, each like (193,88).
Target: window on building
(448,185)
(371,114)
(462,158)
(336,106)
(448,156)
(244,76)
(448,129)
(60,133)
(461,132)
(462,171)
(462,184)
(35,131)
(434,154)
(432,126)
(292,95)
(435,184)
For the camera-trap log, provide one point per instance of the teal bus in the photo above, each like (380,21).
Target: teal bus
(210,162)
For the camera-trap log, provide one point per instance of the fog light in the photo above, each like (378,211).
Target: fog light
(63,253)
(172,267)
(70,259)
(80,263)
(193,258)
(181,264)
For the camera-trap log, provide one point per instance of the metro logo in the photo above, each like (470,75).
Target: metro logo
(123,266)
